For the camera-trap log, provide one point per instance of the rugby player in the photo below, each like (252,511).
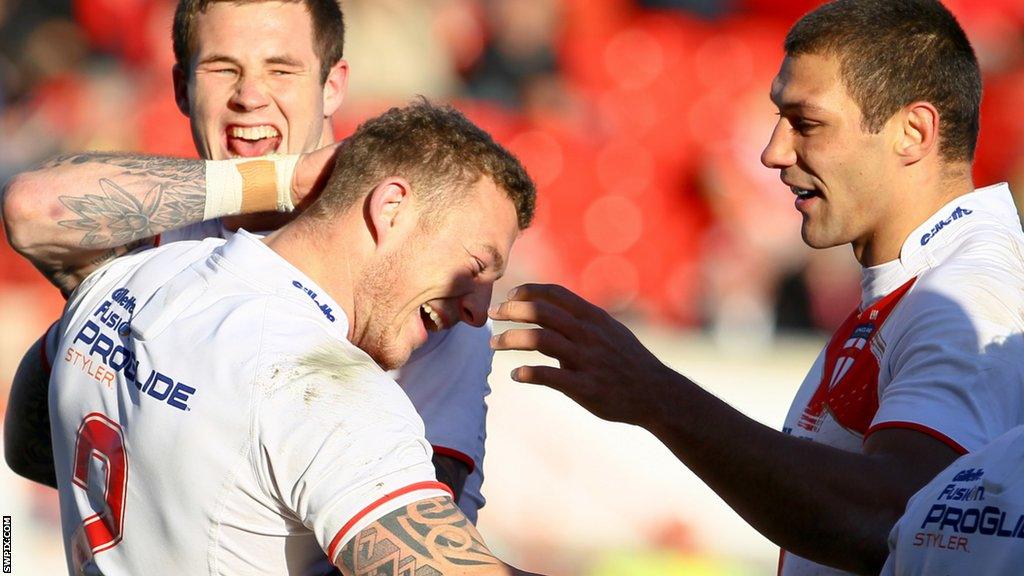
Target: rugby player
(878,119)
(221,407)
(254,77)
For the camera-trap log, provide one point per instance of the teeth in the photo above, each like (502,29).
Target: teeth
(801,192)
(434,317)
(254,132)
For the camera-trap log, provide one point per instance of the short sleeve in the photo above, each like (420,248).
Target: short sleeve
(339,445)
(954,365)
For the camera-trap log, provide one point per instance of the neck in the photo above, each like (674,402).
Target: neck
(327,134)
(911,205)
(307,246)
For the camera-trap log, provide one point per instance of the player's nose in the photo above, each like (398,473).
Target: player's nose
(779,152)
(473,306)
(250,94)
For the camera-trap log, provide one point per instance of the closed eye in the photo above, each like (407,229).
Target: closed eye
(802,125)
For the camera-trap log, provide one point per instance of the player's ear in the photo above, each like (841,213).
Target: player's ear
(180,78)
(385,208)
(918,135)
(335,86)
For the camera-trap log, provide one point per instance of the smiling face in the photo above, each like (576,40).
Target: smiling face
(839,173)
(429,276)
(253,85)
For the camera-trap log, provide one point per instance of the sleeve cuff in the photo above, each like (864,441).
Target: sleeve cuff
(345,533)
(457,455)
(917,428)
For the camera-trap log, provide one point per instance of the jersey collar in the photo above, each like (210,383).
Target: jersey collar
(267,268)
(925,246)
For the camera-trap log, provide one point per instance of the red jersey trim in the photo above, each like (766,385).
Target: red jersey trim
(918,428)
(453,453)
(433,484)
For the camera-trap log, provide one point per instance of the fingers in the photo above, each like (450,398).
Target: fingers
(312,172)
(554,294)
(564,381)
(540,313)
(547,342)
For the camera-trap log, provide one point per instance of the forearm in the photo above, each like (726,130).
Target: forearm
(98,200)
(77,211)
(27,446)
(828,505)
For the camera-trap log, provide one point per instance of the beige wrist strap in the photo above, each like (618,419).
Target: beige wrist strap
(248,185)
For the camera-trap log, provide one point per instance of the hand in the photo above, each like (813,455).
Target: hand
(602,365)
(311,174)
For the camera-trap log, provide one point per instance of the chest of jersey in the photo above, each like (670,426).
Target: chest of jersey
(839,397)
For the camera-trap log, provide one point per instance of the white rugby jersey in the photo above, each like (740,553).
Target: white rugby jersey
(446,379)
(210,417)
(969,520)
(935,345)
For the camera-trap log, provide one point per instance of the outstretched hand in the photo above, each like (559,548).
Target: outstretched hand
(602,365)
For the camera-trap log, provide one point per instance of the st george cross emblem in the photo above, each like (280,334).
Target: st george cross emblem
(854,344)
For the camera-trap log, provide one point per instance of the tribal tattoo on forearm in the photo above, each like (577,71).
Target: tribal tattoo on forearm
(427,538)
(150,195)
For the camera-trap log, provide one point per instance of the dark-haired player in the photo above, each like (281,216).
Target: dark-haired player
(878,117)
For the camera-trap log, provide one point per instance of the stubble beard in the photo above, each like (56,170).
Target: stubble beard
(377,291)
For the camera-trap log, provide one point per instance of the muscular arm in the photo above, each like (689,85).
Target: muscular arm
(828,505)
(79,210)
(27,447)
(427,538)
(75,212)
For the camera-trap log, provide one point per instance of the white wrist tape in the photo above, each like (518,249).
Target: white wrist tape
(247,185)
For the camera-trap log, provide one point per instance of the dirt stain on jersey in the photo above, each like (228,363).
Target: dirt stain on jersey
(333,362)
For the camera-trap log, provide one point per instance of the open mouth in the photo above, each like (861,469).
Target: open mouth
(248,141)
(431,319)
(804,193)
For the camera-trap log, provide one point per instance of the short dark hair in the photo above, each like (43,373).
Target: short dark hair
(895,52)
(437,149)
(328,29)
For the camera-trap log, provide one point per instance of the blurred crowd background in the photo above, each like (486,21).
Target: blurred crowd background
(642,122)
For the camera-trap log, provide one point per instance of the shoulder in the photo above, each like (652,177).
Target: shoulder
(983,252)
(306,359)
(135,267)
(979,281)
